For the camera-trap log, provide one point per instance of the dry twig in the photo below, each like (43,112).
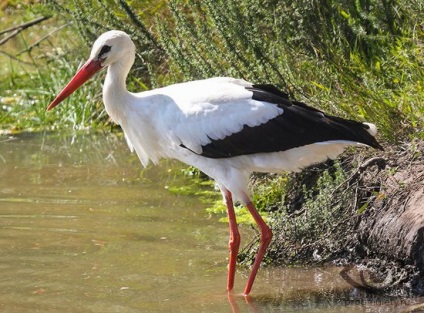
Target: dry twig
(15,30)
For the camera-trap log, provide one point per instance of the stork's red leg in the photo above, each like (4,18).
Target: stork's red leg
(234,242)
(266,236)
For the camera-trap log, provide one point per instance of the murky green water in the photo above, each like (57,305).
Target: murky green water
(83,228)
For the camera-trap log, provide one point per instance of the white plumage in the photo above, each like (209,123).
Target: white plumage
(190,113)
(226,127)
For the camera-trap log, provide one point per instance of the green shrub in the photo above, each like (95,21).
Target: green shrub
(360,59)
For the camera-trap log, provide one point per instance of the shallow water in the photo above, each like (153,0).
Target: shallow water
(83,228)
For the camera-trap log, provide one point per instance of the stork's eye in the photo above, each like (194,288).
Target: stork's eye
(105,49)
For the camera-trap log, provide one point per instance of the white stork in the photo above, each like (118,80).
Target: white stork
(226,127)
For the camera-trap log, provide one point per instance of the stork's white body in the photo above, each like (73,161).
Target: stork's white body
(226,127)
(157,122)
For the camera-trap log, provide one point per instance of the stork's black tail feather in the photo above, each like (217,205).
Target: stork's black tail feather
(332,127)
(299,125)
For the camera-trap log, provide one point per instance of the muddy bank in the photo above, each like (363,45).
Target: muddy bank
(365,213)
(392,228)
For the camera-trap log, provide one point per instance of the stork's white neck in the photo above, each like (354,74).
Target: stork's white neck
(115,95)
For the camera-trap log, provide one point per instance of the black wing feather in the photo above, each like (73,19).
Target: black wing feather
(297,126)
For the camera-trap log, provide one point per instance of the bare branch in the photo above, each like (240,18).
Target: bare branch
(35,44)
(17,29)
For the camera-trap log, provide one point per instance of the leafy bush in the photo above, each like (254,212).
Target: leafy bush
(353,58)
(360,59)
(306,224)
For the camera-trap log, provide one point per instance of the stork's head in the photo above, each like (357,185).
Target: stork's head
(109,48)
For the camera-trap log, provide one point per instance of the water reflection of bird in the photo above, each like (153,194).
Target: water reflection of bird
(226,127)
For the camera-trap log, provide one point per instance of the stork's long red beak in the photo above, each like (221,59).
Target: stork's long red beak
(90,68)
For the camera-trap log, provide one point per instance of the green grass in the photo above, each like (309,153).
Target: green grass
(30,81)
(358,59)
(268,193)
(26,95)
